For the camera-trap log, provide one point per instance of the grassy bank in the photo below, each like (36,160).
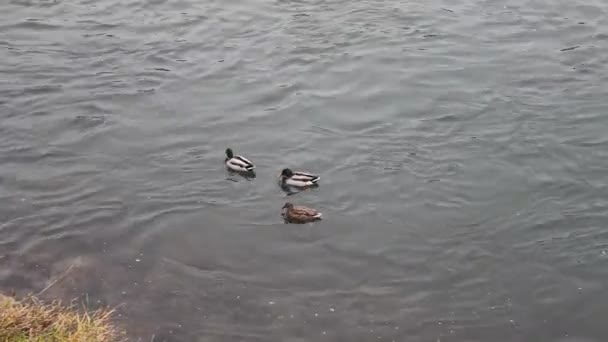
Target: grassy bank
(29,320)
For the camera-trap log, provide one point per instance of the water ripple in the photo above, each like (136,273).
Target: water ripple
(460,147)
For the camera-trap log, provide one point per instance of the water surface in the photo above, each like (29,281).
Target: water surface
(462,148)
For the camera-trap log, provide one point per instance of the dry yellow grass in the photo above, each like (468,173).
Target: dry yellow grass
(30,320)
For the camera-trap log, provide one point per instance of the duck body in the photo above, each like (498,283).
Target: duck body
(238,163)
(299,214)
(298,179)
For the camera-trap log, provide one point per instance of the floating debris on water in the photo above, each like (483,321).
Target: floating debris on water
(570,48)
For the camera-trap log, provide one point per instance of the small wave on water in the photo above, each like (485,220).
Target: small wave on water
(460,147)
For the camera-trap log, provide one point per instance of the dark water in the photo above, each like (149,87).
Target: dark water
(462,145)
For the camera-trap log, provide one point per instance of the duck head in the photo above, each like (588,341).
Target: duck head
(288,205)
(229,153)
(286,173)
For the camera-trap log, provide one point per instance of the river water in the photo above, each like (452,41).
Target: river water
(462,148)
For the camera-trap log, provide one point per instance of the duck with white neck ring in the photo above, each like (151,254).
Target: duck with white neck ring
(298,179)
(238,163)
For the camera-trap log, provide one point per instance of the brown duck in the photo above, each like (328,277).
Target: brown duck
(299,214)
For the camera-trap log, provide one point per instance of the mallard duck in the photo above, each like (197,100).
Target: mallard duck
(298,179)
(299,214)
(238,163)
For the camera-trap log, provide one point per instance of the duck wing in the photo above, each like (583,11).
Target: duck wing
(244,160)
(304,212)
(302,179)
(241,162)
(305,177)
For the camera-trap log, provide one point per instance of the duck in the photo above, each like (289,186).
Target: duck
(238,163)
(299,214)
(298,179)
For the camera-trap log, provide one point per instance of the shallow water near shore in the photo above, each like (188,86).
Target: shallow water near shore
(462,149)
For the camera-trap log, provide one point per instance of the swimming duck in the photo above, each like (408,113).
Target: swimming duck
(299,214)
(298,179)
(238,163)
